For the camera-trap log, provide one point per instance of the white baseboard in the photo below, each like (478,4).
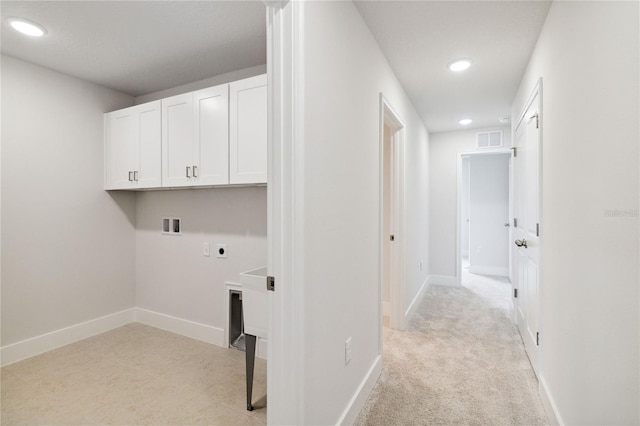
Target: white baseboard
(37,345)
(350,414)
(490,270)
(261,348)
(194,330)
(416,300)
(549,404)
(442,280)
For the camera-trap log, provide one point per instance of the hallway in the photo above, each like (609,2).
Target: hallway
(460,361)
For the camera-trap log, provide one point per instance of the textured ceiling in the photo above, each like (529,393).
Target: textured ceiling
(420,38)
(140,47)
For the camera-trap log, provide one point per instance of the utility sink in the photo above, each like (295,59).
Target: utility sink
(255,306)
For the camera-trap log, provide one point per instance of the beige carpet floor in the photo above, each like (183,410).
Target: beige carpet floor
(134,375)
(460,362)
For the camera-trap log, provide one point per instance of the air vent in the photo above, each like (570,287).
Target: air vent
(489,139)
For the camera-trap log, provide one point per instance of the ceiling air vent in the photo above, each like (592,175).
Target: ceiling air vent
(489,139)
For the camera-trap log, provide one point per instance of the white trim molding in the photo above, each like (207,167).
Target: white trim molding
(443,280)
(416,300)
(285,210)
(550,407)
(183,327)
(46,342)
(360,396)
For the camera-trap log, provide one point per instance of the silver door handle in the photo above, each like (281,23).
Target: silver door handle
(507,224)
(130,178)
(188,171)
(195,171)
(135,175)
(521,243)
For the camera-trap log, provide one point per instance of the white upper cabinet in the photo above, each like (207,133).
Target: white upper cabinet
(133,147)
(177,141)
(248,131)
(215,136)
(211,128)
(195,138)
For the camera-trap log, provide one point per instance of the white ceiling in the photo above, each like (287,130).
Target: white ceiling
(420,38)
(140,47)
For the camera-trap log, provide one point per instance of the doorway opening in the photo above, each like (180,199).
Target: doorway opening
(483,214)
(391,291)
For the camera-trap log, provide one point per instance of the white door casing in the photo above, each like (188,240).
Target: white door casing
(392,119)
(527,227)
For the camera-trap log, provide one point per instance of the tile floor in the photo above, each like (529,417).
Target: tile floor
(134,375)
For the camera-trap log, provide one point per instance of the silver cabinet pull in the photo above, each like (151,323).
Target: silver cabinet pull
(130,178)
(188,172)
(135,175)
(195,171)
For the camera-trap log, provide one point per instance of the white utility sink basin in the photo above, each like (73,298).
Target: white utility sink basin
(255,306)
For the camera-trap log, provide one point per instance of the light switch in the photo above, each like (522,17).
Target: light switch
(205,250)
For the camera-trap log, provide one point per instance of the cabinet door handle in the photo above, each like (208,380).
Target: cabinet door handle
(130,178)
(195,171)
(188,172)
(135,175)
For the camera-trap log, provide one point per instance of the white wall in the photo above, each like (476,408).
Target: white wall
(173,277)
(444,149)
(489,211)
(587,55)
(68,247)
(344,74)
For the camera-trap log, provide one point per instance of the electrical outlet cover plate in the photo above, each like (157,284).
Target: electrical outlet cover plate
(221,251)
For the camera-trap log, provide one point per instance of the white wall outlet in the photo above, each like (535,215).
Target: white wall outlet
(205,250)
(221,251)
(347,351)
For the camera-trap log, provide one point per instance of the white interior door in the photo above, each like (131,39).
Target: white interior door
(526,230)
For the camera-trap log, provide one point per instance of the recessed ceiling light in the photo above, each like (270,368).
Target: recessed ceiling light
(465,121)
(460,65)
(27,27)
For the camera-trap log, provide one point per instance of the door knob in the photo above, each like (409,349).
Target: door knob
(521,243)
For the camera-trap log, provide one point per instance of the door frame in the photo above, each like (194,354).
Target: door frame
(285,201)
(500,151)
(389,116)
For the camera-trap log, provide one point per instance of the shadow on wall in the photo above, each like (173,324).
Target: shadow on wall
(240,211)
(127,202)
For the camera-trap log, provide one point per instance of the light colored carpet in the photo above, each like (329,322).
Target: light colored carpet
(460,362)
(133,375)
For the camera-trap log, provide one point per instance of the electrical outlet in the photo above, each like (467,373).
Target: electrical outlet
(221,251)
(347,351)
(205,250)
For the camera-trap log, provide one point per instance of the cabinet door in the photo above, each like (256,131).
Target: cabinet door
(121,148)
(177,141)
(150,145)
(248,131)
(211,127)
